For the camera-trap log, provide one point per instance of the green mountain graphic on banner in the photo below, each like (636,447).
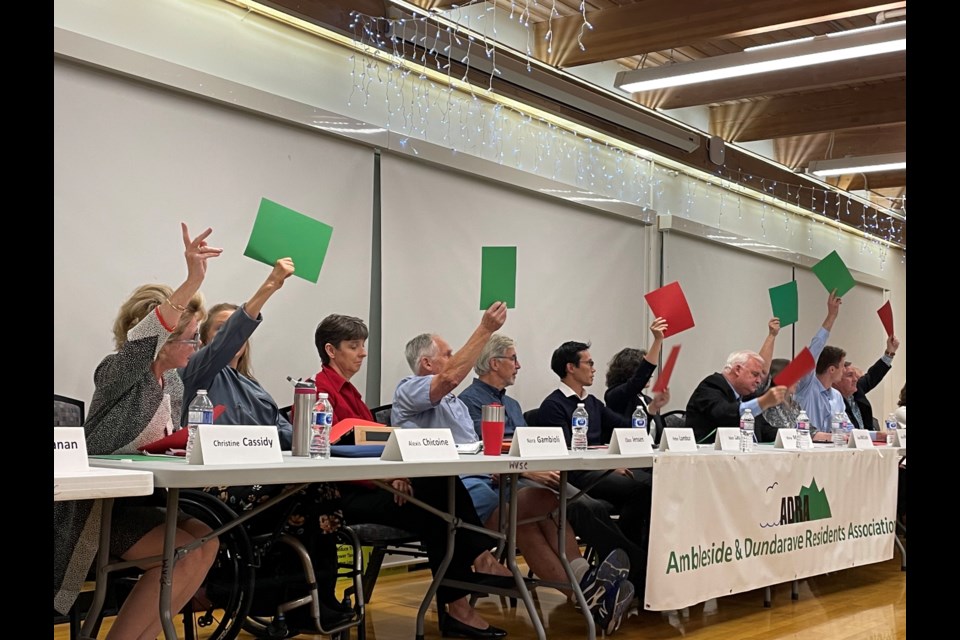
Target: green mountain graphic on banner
(818,503)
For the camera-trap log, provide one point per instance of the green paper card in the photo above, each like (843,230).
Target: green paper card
(783,299)
(834,274)
(498,276)
(279,232)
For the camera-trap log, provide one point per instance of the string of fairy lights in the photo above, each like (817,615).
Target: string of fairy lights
(433,101)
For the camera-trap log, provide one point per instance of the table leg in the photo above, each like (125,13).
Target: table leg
(103,557)
(448,556)
(511,550)
(169,559)
(562,552)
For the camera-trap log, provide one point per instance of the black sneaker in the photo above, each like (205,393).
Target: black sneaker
(609,614)
(597,580)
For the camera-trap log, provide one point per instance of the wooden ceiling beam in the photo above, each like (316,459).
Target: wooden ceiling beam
(817,112)
(797,151)
(871,181)
(812,78)
(438,5)
(657,25)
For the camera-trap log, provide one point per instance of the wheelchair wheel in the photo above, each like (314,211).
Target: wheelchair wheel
(229,584)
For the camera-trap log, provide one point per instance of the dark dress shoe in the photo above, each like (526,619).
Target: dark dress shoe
(450,627)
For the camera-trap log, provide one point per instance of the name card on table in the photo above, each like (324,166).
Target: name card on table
(236,444)
(786,439)
(69,449)
(678,439)
(538,442)
(419,445)
(630,442)
(860,439)
(728,439)
(897,438)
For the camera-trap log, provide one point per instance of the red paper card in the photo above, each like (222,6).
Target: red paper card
(669,303)
(886,317)
(345,426)
(799,367)
(177,439)
(664,378)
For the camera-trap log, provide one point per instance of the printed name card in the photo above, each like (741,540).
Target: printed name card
(538,442)
(860,439)
(236,444)
(678,440)
(69,449)
(786,439)
(728,439)
(630,441)
(897,438)
(419,445)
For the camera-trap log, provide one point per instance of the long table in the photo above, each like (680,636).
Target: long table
(101,483)
(174,475)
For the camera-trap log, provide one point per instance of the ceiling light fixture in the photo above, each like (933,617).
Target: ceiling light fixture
(861,164)
(818,50)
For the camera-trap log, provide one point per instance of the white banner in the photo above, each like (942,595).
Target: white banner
(724,524)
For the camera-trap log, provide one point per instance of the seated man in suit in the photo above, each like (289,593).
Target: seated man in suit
(855,385)
(497,368)
(721,398)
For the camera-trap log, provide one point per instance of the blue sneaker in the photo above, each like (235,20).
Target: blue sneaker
(603,577)
(609,614)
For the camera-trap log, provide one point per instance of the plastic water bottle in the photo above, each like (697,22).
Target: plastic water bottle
(578,428)
(746,431)
(838,429)
(891,425)
(320,426)
(803,431)
(639,418)
(199,412)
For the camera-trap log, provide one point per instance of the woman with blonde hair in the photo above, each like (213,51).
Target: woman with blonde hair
(137,400)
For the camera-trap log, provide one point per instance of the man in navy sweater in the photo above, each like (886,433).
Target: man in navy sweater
(628,490)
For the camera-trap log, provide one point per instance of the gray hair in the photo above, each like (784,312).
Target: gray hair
(741,357)
(496,347)
(423,346)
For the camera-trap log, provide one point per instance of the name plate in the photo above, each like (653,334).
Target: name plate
(728,439)
(860,439)
(538,442)
(630,441)
(236,444)
(897,438)
(675,439)
(69,449)
(786,439)
(418,445)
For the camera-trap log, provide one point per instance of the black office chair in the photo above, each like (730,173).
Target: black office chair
(532,417)
(382,413)
(67,412)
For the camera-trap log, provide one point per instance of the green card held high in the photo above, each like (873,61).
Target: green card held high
(783,299)
(498,276)
(279,232)
(834,274)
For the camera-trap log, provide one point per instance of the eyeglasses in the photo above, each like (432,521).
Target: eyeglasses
(513,357)
(194,342)
(587,362)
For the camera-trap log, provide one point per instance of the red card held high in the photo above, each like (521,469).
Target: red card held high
(663,380)
(669,303)
(886,317)
(799,367)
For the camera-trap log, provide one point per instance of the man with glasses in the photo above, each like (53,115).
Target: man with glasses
(497,368)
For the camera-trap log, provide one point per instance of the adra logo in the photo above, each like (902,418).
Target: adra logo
(810,503)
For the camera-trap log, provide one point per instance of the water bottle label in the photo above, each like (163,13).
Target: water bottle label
(197,416)
(323,418)
(579,421)
(639,423)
